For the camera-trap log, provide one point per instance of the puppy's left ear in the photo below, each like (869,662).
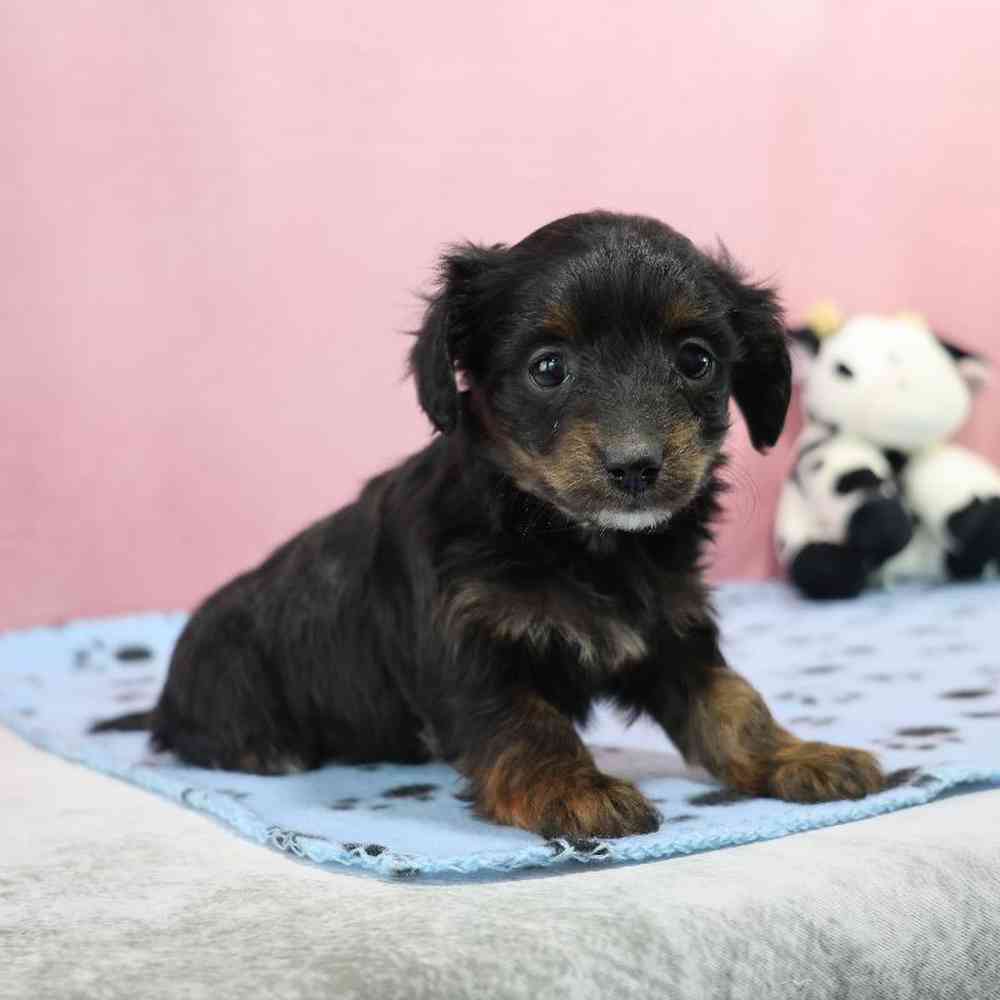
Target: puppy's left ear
(762,373)
(449,322)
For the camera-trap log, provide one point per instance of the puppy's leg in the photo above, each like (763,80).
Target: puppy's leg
(717,720)
(531,770)
(730,732)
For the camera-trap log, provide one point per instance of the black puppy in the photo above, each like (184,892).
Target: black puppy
(543,551)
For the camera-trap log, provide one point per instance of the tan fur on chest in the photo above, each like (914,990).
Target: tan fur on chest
(600,638)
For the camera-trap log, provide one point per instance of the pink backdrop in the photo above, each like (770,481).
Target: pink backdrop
(214,217)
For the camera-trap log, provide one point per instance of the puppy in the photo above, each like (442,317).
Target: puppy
(544,550)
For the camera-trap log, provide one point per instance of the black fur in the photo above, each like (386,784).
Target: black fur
(878,530)
(857,479)
(975,530)
(762,380)
(827,571)
(477,573)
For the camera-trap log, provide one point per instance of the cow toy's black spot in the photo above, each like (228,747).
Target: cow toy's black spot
(349,802)
(133,653)
(982,715)
(857,479)
(683,818)
(820,669)
(964,693)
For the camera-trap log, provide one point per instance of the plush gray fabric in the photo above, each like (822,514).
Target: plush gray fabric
(135,902)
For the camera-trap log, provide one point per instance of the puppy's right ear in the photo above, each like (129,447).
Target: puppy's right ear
(450,319)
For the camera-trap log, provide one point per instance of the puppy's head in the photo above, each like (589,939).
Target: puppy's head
(598,356)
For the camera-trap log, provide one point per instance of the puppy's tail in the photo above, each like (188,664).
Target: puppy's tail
(132,722)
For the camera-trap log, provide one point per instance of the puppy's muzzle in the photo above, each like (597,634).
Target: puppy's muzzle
(633,468)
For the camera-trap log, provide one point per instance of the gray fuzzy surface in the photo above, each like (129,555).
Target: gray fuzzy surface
(109,892)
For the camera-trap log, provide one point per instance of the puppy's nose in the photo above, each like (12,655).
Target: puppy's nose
(634,468)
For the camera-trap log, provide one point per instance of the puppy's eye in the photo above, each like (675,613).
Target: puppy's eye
(548,370)
(843,371)
(694,362)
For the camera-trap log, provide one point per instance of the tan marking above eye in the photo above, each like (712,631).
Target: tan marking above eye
(560,319)
(682,310)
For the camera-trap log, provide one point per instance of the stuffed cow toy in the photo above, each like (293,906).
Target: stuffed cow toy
(878,493)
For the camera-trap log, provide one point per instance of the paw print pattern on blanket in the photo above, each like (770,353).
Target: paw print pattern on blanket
(906,674)
(913,675)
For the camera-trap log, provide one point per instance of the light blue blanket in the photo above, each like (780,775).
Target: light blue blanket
(913,674)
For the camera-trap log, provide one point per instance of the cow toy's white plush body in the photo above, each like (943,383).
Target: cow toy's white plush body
(877,493)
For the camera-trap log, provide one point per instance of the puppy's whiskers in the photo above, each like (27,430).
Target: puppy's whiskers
(745,487)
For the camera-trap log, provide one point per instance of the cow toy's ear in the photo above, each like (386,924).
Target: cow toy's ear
(805,341)
(974,368)
(803,347)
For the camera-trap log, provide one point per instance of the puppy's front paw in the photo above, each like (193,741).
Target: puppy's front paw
(821,772)
(601,806)
(575,804)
